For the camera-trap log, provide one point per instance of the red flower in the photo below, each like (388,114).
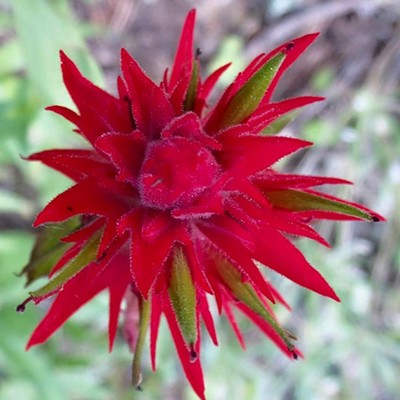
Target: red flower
(175,202)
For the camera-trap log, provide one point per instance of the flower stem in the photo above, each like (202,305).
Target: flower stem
(137,358)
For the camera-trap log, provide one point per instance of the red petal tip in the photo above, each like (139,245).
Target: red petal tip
(377,218)
(336,298)
(318,98)
(38,221)
(31,343)
(309,37)
(64,58)
(125,56)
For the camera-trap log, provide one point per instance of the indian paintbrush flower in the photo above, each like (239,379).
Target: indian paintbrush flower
(175,202)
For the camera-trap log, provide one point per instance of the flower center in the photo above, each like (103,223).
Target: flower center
(175,172)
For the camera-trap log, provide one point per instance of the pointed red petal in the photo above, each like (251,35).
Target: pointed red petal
(248,154)
(270,112)
(154,223)
(247,190)
(228,227)
(108,236)
(207,317)
(85,232)
(68,256)
(95,278)
(234,325)
(372,215)
(150,106)
(273,181)
(293,50)
(85,197)
(125,151)
(117,288)
(209,203)
(214,279)
(279,254)
(193,370)
(197,266)
(183,63)
(189,126)
(279,297)
(205,88)
(100,112)
(147,259)
(316,204)
(295,228)
(211,81)
(259,216)
(65,112)
(267,329)
(215,117)
(234,251)
(76,164)
(178,95)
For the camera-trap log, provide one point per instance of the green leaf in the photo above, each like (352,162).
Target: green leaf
(183,296)
(43,28)
(244,292)
(86,255)
(48,249)
(249,96)
(11,60)
(17,108)
(14,250)
(34,367)
(296,200)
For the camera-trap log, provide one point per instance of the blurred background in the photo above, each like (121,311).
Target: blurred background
(352,349)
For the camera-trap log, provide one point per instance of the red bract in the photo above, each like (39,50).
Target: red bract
(175,202)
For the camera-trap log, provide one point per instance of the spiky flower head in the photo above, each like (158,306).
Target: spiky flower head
(175,202)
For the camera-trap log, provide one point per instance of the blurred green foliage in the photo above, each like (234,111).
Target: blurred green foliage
(352,350)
